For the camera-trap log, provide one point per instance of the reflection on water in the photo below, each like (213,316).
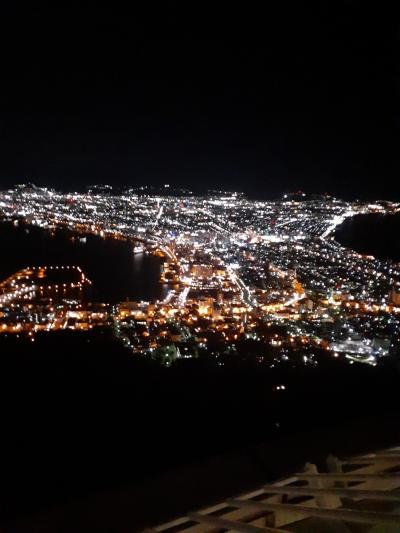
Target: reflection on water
(116,272)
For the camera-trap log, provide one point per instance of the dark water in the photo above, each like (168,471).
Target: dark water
(374,234)
(116,273)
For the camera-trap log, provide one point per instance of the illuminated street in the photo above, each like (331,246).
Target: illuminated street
(236,269)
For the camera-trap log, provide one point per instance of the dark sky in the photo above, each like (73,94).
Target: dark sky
(262,102)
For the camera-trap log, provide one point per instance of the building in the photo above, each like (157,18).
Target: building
(394,296)
(202,271)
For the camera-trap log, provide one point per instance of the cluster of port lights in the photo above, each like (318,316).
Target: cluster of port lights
(78,285)
(23,292)
(27,291)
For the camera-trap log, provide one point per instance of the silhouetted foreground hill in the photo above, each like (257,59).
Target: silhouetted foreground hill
(80,415)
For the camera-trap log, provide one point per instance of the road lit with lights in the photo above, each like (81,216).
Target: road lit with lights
(238,269)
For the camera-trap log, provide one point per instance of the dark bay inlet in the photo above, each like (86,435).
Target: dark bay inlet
(372,234)
(116,272)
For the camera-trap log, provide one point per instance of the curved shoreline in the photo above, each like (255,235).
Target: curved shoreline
(369,235)
(116,272)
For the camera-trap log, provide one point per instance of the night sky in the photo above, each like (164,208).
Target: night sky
(307,100)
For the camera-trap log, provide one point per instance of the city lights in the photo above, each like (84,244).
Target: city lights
(235,269)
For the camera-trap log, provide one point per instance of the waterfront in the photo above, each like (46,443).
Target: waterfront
(372,234)
(262,300)
(116,273)
(215,249)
